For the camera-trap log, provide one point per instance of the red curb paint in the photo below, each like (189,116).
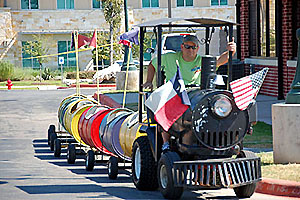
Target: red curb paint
(278,187)
(59,88)
(94,85)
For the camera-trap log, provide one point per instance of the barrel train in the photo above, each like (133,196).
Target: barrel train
(206,146)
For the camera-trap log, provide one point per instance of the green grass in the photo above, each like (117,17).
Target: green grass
(31,83)
(278,171)
(261,136)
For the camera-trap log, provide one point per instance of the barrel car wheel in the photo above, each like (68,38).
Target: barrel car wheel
(57,147)
(71,154)
(112,167)
(245,191)
(51,130)
(165,176)
(53,137)
(143,165)
(90,160)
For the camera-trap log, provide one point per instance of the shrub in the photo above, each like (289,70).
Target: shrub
(46,74)
(6,70)
(24,74)
(82,75)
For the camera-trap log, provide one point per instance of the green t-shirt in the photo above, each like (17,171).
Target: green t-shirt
(190,71)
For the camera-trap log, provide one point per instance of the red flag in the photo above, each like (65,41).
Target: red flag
(245,89)
(82,41)
(93,40)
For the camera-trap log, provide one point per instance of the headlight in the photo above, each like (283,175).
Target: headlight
(221,106)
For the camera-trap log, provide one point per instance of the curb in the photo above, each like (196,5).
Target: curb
(278,187)
(94,85)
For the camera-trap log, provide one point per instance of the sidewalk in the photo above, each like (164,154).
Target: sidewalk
(267,185)
(264,108)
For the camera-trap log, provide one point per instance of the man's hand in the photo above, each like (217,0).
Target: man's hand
(231,46)
(148,85)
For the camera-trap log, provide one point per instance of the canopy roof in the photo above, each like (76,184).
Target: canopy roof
(182,21)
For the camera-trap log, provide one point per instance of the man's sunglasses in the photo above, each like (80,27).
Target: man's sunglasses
(189,47)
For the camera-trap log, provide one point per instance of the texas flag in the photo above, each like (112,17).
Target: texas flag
(169,101)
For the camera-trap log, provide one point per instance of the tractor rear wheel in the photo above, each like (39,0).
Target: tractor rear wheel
(144,167)
(165,176)
(245,191)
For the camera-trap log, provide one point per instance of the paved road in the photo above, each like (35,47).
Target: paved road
(28,169)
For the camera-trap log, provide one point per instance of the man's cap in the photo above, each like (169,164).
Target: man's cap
(191,38)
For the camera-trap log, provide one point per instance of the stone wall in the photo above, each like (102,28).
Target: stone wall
(58,24)
(221,12)
(6,30)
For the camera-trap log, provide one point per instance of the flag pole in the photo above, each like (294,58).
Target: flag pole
(97,59)
(77,65)
(126,79)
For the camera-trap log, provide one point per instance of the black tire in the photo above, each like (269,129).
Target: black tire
(57,147)
(245,191)
(165,178)
(53,136)
(51,130)
(144,167)
(112,167)
(71,154)
(90,160)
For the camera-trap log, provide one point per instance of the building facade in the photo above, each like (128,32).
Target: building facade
(56,19)
(268,39)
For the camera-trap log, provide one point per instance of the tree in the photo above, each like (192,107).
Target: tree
(112,10)
(39,46)
(103,50)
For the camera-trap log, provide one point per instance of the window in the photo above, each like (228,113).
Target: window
(182,3)
(29,4)
(219,2)
(32,62)
(70,58)
(147,56)
(150,4)
(262,28)
(65,4)
(97,4)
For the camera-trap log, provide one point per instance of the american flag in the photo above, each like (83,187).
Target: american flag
(245,89)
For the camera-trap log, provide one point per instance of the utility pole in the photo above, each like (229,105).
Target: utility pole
(170,13)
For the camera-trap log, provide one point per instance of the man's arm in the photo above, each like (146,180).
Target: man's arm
(150,76)
(223,58)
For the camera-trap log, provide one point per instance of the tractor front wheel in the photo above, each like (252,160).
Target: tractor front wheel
(245,191)
(165,176)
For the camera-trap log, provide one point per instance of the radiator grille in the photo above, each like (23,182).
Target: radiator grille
(212,173)
(220,139)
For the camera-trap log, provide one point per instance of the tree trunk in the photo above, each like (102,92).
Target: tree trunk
(111,46)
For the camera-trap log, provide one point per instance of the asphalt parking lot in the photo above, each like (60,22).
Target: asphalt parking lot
(28,169)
